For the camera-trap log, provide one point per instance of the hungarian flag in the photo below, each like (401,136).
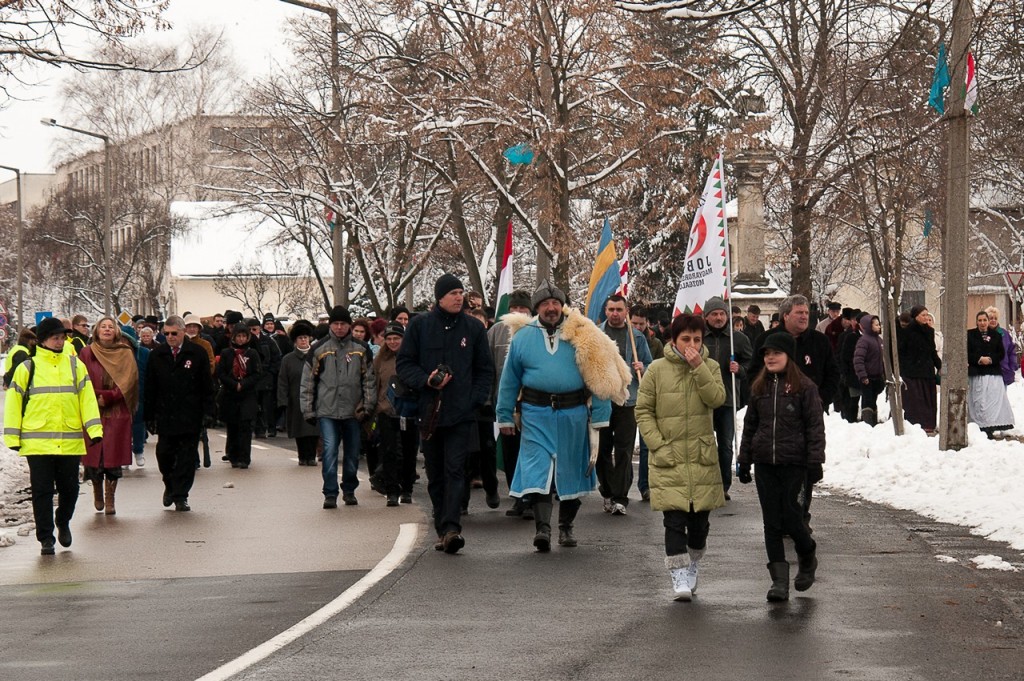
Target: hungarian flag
(624,270)
(971,92)
(505,277)
(706,268)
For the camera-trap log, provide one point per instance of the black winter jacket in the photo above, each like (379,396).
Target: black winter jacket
(783,427)
(717,343)
(458,341)
(179,392)
(847,346)
(813,355)
(235,404)
(989,344)
(916,349)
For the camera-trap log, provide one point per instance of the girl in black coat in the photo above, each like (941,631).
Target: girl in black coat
(784,434)
(239,372)
(919,363)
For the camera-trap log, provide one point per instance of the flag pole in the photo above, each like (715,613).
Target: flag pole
(728,298)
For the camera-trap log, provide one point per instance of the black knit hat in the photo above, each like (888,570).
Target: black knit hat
(232,317)
(445,285)
(252,321)
(835,306)
(51,326)
(240,327)
(340,314)
(780,341)
(394,328)
(301,328)
(269,317)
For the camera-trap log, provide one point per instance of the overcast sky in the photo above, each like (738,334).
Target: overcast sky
(254,28)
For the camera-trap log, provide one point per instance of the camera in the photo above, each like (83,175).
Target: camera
(443,371)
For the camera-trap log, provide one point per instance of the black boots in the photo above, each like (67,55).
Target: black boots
(805,572)
(567,510)
(542,517)
(780,582)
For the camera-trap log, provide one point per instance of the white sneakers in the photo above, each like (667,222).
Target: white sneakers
(691,575)
(140,460)
(681,584)
(618,509)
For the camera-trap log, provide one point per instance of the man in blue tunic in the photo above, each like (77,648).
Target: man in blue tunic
(564,371)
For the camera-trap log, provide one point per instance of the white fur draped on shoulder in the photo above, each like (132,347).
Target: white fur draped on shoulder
(605,373)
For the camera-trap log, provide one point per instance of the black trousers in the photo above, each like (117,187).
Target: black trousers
(510,455)
(482,463)
(445,455)
(725,428)
(869,393)
(307,447)
(398,449)
(176,458)
(615,455)
(686,529)
(266,412)
(45,472)
(238,445)
(778,490)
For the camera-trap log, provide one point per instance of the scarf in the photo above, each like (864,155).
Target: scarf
(118,360)
(240,363)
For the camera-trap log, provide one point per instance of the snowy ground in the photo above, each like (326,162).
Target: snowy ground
(980,487)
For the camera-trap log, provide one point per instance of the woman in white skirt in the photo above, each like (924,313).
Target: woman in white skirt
(987,404)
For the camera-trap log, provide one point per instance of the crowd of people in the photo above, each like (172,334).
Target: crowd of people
(564,401)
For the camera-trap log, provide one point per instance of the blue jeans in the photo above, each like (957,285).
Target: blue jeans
(725,428)
(343,433)
(138,437)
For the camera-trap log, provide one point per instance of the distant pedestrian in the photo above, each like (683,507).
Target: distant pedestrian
(139,418)
(784,438)
(444,356)
(987,404)
(397,425)
(110,360)
(869,367)
(919,364)
(179,402)
(289,380)
(265,424)
(675,413)
(239,371)
(49,412)
(25,348)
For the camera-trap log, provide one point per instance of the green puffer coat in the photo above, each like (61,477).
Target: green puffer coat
(674,414)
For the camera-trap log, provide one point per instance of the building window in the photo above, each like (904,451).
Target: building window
(911,299)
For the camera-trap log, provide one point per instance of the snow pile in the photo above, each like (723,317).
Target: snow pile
(980,487)
(990,562)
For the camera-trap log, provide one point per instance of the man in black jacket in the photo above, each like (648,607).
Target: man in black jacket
(732,357)
(445,357)
(179,400)
(813,355)
(266,392)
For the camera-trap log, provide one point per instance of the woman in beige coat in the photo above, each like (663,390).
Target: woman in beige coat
(674,414)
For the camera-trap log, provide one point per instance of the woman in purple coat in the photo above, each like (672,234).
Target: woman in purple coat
(869,367)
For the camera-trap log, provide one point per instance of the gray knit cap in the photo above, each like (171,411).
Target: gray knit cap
(545,291)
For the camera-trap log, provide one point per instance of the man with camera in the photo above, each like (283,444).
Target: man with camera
(338,391)
(445,357)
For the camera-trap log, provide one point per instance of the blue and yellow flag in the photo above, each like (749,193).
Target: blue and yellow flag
(605,279)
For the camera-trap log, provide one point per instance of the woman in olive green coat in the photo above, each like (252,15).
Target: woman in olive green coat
(674,414)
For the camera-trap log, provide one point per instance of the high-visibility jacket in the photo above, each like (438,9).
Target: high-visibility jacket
(61,406)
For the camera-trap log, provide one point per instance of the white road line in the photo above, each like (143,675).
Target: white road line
(403,546)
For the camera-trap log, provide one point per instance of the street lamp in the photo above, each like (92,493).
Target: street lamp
(337,237)
(21,224)
(108,283)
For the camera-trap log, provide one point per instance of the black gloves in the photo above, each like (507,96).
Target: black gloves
(311,421)
(97,440)
(743,473)
(814,473)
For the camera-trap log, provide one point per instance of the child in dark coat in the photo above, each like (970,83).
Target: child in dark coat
(784,435)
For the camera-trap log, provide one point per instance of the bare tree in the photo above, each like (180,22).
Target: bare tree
(289,289)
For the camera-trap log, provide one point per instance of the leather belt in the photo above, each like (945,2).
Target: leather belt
(554,400)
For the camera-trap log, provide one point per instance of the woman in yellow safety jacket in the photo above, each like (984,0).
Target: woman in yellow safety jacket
(50,409)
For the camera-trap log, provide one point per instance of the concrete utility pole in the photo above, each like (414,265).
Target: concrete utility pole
(953,425)
(341,271)
(20,266)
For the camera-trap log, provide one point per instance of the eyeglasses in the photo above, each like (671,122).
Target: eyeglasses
(172,333)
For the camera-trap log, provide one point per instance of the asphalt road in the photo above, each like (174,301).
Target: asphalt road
(884,607)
